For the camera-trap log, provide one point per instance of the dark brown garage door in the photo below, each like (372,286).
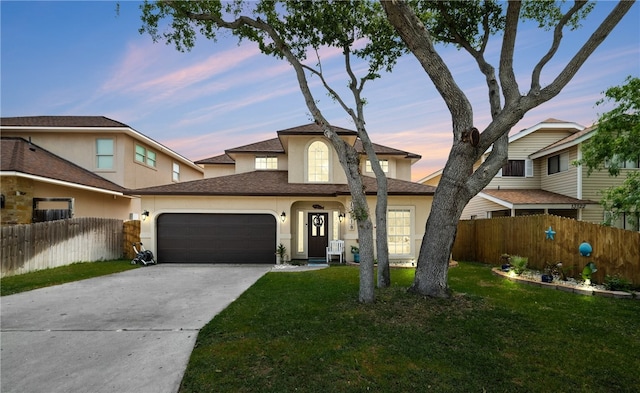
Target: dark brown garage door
(216,238)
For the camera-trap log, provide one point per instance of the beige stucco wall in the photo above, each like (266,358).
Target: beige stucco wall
(286,231)
(80,148)
(297,152)
(19,208)
(218,170)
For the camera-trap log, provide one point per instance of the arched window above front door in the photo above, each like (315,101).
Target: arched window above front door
(318,162)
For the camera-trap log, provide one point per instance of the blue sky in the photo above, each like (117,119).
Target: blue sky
(83,58)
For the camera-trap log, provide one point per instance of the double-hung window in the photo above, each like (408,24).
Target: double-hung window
(104,153)
(175,175)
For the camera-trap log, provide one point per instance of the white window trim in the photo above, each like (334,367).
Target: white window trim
(113,155)
(412,234)
(145,160)
(329,163)
(369,169)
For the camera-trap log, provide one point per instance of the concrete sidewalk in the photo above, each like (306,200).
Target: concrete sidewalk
(128,332)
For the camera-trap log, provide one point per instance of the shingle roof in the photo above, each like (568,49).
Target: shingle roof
(385,150)
(20,156)
(268,146)
(275,183)
(274,146)
(314,129)
(221,159)
(533,197)
(60,121)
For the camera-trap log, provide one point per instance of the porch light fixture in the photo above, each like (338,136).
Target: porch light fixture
(145,214)
(283,216)
(341,217)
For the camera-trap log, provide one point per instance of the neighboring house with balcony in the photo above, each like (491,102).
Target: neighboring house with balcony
(113,157)
(540,177)
(291,190)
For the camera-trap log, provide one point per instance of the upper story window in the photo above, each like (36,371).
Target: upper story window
(384,164)
(175,172)
(318,162)
(145,156)
(104,153)
(517,168)
(266,162)
(558,163)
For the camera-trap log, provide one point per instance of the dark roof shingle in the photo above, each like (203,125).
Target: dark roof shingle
(18,155)
(532,197)
(276,183)
(61,121)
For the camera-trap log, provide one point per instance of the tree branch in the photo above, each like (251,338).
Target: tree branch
(419,41)
(507,77)
(557,37)
(581,56)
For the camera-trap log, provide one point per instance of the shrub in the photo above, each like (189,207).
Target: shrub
(617,283)
(519,263)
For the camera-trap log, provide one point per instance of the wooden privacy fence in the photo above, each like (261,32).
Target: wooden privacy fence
(50,244)
(615,251)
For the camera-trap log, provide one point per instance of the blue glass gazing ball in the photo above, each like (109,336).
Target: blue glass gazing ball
(585,249)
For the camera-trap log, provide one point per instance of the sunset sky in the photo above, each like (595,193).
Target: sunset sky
(84,58)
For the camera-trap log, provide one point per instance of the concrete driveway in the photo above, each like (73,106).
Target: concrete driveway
(127,332)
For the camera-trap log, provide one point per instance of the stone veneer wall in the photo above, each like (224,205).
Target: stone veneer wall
(18,198)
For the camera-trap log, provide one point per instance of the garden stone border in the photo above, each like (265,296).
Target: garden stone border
(580,290)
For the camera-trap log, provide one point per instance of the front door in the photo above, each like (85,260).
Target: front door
(318,234)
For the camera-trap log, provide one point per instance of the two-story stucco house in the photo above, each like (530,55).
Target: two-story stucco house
(82,150)
(540,177)
(291,190)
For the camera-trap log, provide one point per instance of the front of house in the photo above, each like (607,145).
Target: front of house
(288,190)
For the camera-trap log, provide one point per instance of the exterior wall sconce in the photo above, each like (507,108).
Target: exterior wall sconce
(341,217)
(283,217)
(145,214)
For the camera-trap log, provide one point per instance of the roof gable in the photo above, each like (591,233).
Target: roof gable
(565,143)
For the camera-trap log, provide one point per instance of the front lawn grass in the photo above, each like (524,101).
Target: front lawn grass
(306,332)
(60,275)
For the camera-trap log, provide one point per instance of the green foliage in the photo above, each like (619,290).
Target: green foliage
(548,13)
(281,250)
(355,250)
(588,270)
(616,141)
(617,138)
(616,283)
(623,199)
(518,263)
(301,25)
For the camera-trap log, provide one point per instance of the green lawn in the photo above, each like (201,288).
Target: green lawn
(306,332)
(60,275)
